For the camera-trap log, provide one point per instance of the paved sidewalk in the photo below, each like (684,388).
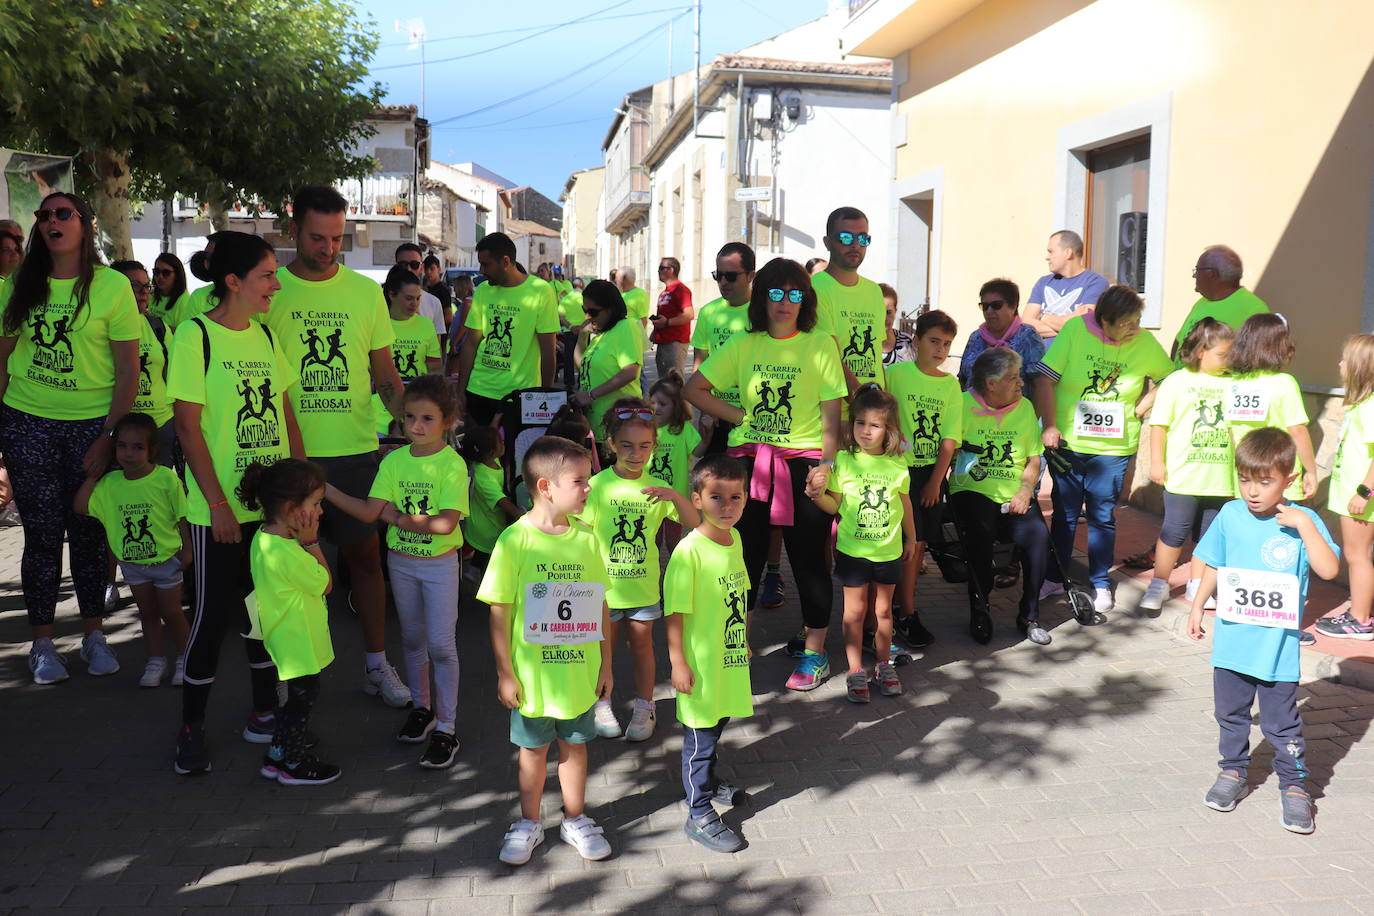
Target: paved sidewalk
(1008,779)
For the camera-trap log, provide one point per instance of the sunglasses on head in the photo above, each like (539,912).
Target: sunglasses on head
(729,276)
(793,295)
(413,265)
(635,413)
(61,214)
(849,238)
(163,272)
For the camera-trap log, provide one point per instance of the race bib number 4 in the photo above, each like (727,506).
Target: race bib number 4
(1265,599)
(563,613)
(1099,420)
(539,406)
(1247,402)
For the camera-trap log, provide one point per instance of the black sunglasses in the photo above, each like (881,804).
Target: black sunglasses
(62,214)
(413,265)
(729,276)
(163,272)
(994,304)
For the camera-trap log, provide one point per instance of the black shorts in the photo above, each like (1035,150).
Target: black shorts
(853,572)
(353,474)
(927,520)
(482,409)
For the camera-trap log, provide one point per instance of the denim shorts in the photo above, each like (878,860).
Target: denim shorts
(164,575)
(539,732)
(648,612)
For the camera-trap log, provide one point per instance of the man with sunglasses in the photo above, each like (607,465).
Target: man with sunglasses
(672,321)
(1068,290)
(1216,277)
(850,307)
(721,319)
(412,258)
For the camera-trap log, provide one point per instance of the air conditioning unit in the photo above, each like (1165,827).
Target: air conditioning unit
(1130,250)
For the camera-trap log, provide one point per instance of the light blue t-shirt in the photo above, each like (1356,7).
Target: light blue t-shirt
(1240,540)
(1061,295)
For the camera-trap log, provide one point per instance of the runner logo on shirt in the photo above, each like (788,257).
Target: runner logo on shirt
(145,375)
(735,633)
(1209,429)
(858,355)
(416,499)
(497,343)
(405,361)
(324,367)
(252,428)
(874,514)
(661,468)
(925,432)
(1102,386)
(990,459)
(138,543)
(52,343)
(629,545)
(772,415)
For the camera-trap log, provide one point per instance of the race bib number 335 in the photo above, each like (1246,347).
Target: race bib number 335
(1265,599)
(563,613)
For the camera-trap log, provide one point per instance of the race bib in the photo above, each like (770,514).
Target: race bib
(1099,419)
(1247,402)
(1265,599)
(538,407)
(563,613)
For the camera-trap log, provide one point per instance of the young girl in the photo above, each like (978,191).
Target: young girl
(290,580)
(877,531)
(625,509)
(491,509)
(1352,476)
(1263,394)
(1190,451)
(143,509)
(679,444)
(421,491)
(415,350)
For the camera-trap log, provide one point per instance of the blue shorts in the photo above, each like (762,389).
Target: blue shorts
(164,575)
(541,732)
(649,612)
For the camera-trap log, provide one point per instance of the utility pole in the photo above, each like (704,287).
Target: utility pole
(696,75)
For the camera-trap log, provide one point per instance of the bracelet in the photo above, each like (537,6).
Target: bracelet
(308,544)
(222,502)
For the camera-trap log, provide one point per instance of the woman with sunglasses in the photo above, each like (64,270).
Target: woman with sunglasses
(169,285)
(1002,327)
(70,341)
(612,355)
(787,430)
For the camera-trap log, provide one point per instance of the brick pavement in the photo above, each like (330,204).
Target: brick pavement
(1009,779)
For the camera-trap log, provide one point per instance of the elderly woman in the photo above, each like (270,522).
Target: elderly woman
(1088,394)
(612,356)
(1002,327)
(992,489)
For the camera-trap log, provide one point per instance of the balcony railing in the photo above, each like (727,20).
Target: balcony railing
(384,198)
(855,6)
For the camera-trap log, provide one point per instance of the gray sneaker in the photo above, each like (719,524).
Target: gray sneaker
(1226,791)
(1034,631)
(99,657)
(46,663)
(1297,810)
(711,832)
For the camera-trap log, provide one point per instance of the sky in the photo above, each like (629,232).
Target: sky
(569,78)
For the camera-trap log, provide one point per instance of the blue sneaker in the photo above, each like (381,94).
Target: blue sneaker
(46,663)
(770,593)
(810,671)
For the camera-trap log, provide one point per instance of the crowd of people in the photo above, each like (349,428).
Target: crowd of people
(207,442)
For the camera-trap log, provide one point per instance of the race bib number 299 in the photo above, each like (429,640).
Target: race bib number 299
(1265,599)
(563,613)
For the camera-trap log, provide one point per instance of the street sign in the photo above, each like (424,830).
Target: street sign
(764,193)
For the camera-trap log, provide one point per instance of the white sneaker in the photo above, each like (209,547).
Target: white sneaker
(1190,592)
(46,663)
(582,834)
(1103,600)
(179,671)
(1050,589)
(520,841)
(99,657)
(153,674)
(607,725)
(111,597)
(387,682)
(641,726)
(1155,595)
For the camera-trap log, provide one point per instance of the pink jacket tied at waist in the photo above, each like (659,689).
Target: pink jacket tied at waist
(772,479)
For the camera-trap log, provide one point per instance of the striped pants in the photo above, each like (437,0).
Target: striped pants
(699,766)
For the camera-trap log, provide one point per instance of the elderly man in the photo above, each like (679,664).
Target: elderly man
(1068,290)
(1002,327)
(1216,277)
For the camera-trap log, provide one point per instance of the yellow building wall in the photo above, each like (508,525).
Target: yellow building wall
(1271,150)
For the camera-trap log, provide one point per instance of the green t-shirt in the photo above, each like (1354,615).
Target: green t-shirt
(1099,383)
(422,486)
(606,354)
(151,397)
(1003,441)
(636,303)
(1265,399)
(243,419)
(288,593)
(1354,453)
(509,318)
(781,383)
(415,343)
(64,370)
(1232,310)
(328,330)
(708,585)
(487,520)
(672,461)
(626,524)
(717,322)
(870,489)
(930,410)
(162,308)
(191,305)
(1198,457)
(857,318)
(556,681)
(141,517)
(570,308)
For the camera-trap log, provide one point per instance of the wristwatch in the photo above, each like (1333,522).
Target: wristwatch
(826,463)
(1362,491)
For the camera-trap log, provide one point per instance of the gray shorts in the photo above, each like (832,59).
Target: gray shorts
(353,474)
(650,612)
(164,575)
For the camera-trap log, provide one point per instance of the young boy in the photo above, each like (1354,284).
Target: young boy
(546,585)
(1257,552)
(704,595)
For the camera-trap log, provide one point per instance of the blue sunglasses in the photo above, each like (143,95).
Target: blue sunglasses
(793,295)
(849,238)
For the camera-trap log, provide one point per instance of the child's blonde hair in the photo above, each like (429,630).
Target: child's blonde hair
(871,397)
(1359,368)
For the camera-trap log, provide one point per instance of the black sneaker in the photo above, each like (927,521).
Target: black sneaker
(193,755)
(727,794)
(309,772)
(442,751)
(912,631)
(711,832)
(418,725)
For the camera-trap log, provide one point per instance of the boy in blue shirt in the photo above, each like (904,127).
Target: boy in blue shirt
(1257,552)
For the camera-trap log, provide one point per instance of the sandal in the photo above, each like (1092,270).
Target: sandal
(1143,560)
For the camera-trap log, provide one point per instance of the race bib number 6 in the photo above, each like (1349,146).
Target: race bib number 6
(1100,419)
(563,613)
(1265,599)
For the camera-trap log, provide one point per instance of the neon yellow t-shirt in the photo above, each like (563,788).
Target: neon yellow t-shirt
(288,588)
(328,330)
(62,367)
(151,397)
(1099,383)
(717,322)
(672,461)
(1354,453)
(161,308)
(191,305)
(707,584)
(781,383)
(870,488)
(1265,399)
(243,419)
(422,486)
(930,410)
(487,520)
(626,524)
(570,308)
(141,517)
(1198,457)
(415,343)
(1232,310)
(857,318)
(509,318)
(636,303)
(606,354)
(556,681)
(1004,442)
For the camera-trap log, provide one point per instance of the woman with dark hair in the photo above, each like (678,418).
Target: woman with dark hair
(169,285)
(227,378)
(70,340)
(612,355)
(787,430)
(415,351)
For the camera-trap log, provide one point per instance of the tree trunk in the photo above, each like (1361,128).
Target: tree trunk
(219,216)
(112,201)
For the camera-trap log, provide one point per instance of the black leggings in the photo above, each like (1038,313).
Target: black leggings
(301,693)
(805,541)
(982,524)
(223,580)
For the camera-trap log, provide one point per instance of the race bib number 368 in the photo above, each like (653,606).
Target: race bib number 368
(1265,599)
(563,613)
